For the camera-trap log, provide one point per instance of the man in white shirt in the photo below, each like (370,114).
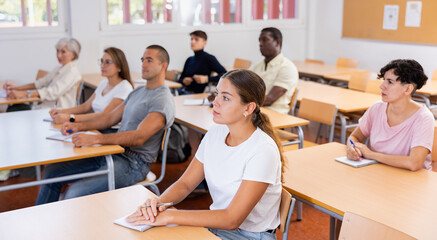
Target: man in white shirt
(279,73)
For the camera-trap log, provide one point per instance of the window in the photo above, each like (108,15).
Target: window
(139,11)
(274,9)
(201,12)
(28,13)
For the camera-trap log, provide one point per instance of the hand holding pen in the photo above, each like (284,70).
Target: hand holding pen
(353,153)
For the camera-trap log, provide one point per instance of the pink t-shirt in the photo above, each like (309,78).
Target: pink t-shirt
(418,130)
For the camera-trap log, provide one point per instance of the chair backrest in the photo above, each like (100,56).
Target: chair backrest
(359,79)
(347,62)
(321,112)
(164,146)
(241,63)
(172,75)
(40,74)
(356,227)
(309,60)
(285,211)
(373,86)
(293,102)
(79,92)
(434,75)
(434,146)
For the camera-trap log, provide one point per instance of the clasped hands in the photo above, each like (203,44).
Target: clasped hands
(153,215)
(200,79)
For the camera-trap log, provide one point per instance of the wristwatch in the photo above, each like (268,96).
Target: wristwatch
(72,118)
(29,93)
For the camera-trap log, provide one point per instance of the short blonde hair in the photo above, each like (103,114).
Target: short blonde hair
(71,44)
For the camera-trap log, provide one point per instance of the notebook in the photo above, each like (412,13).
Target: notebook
(66,138)
(193,102)
(47,119)
(122,222)
(360,163)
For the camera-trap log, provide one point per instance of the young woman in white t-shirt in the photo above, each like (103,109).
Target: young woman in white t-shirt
(241,161)
(110,93)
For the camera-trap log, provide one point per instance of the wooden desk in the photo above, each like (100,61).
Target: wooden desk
(90,217)
(320,70)
(23,137)
(200,117)
(427,91)
(345,77)
(399,198)
(93,80)
(346,100)
(7,101)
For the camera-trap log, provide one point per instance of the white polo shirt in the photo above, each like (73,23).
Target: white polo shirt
(280,72)
(256,159)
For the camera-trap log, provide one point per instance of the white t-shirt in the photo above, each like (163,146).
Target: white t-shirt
(256,159)
(121,90)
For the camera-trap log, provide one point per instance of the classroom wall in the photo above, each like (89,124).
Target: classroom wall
(327,43)
(22,57)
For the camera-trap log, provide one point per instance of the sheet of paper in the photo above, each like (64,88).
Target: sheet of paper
(47,119)
(360,163)
(66,138)
(122,222)
(391,15)
(413,14)
(3,93)
(193,102)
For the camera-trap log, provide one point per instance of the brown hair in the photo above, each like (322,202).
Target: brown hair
(199,33)
(163,55)
(120,61)
(252,88)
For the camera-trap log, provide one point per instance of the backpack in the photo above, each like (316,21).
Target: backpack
(178,149)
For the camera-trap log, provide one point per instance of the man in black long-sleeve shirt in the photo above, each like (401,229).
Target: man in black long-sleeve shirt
(198,68)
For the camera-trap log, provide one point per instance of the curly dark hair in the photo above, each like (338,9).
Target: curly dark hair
(409,71)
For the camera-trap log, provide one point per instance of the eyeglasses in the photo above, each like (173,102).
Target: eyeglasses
(104,62)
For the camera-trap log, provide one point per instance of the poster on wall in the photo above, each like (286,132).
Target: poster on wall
(391,15)
(413,14)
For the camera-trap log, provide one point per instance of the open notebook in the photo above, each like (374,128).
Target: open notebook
(360,163)
(122,222)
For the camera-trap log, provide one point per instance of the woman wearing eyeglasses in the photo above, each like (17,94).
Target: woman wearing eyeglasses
(57,87)
(110,93)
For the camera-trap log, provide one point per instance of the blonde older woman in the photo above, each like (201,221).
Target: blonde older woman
(58,87)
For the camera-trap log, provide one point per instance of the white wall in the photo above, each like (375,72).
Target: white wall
(23,56)
(328,45)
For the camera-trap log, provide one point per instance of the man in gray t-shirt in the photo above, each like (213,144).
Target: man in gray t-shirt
(144,115)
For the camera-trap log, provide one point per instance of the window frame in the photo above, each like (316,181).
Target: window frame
(29,32)
(176,27)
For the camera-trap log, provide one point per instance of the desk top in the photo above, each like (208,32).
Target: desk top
(320,70)
(5,101)
(93,80)
(90,217)
(200,117)
(399,198)
(23,137)
(430,88)
(346,100)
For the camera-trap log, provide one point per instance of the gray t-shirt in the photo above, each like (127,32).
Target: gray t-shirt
(138,105)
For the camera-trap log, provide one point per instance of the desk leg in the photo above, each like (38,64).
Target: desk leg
(299,210)
(343,128)
(331,228)
(38,172)
(111,178)
(300,135)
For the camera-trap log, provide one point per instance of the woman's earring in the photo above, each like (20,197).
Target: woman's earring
(245,114)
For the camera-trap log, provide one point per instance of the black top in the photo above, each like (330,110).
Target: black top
(202,63)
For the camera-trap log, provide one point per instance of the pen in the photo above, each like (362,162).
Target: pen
(69,131)
(160,204)
(353,144)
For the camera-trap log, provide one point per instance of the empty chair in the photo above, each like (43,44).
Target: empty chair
(358,80)
(40,74)
(347,62)
(355,227)
(285,211)
(153,184)
(373,87)
(309,60)
(172,75)
(321,112)
(241,63)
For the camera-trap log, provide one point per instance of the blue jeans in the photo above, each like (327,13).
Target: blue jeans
(241,234)
(128,170)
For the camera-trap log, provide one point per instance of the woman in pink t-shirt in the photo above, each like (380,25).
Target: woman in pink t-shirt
(400,131)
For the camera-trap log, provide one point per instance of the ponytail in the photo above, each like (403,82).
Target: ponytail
(262,121)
